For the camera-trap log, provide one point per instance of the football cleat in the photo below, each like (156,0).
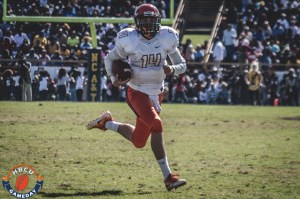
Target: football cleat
(99,123)
(173,182)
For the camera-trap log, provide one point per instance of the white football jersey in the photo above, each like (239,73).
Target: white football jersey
(147,57)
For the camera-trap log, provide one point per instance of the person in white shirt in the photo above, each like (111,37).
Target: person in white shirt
(79,86)
(147,47)
(43,86)
(20,37)
(219,52)
(229,40)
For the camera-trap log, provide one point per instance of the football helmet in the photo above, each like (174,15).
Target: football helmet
(147,20)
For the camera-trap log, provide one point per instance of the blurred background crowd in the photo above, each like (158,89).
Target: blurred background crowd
(254,38)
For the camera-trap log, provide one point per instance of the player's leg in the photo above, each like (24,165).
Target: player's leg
(149,119)
(172,181)
(141,105)
(105,121)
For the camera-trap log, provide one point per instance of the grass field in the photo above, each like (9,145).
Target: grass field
(223,151)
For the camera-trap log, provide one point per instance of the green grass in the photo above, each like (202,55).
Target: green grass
(196,39)
(223,151)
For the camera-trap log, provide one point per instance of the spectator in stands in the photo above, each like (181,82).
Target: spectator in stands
(8,85)
(44,59)
(56,59)
(278,31)
(62,84)
(271,85)
(219,52)
(110,34)
(43,3)
(64,51)
(223,94)
(69,11)
(25,46)
(72,57)
(43,85)
(161,6)
(244,49)
(79,86)
(8,45)
(188,50)
(85,45)
(202,94)
(20,37)
(198,54)
(235,84)
(17,89)
(53,46)
(7,58)
(25,73)
(32,57)
(283,21)
(9,35)
(40,39)
(71,92)
(266,29)
(61,36)
(267,54)
(73,40)
(47,30)
(254,81)
(86,36)
(213,90)
(247,34)
(180,90)
(33,10)
(229,40)
(291,88)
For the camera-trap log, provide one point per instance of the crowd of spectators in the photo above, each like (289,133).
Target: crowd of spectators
(265,34)
(253,33)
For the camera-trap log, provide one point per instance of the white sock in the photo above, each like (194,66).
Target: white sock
(164,166)
(112,125)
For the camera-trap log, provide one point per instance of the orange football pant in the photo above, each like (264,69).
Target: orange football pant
(148,120)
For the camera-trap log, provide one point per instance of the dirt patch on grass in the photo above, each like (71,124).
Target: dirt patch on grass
(296,118)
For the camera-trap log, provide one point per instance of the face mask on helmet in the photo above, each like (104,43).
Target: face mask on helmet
(147,20)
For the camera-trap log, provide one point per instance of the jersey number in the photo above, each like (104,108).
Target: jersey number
(151,60)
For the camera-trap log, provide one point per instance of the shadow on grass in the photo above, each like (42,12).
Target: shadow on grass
(80,194)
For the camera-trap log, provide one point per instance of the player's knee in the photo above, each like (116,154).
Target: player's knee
(138,144)
(157,125)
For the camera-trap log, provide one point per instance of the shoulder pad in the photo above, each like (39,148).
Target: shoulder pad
(126,35)
(169,33)
(169,37)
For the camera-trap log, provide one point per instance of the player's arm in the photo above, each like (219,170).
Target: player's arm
(171,41)
(109,58)
(178,64)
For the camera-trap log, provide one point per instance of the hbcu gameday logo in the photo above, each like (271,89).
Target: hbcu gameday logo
(24,177)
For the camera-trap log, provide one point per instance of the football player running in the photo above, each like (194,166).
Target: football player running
(146,47)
